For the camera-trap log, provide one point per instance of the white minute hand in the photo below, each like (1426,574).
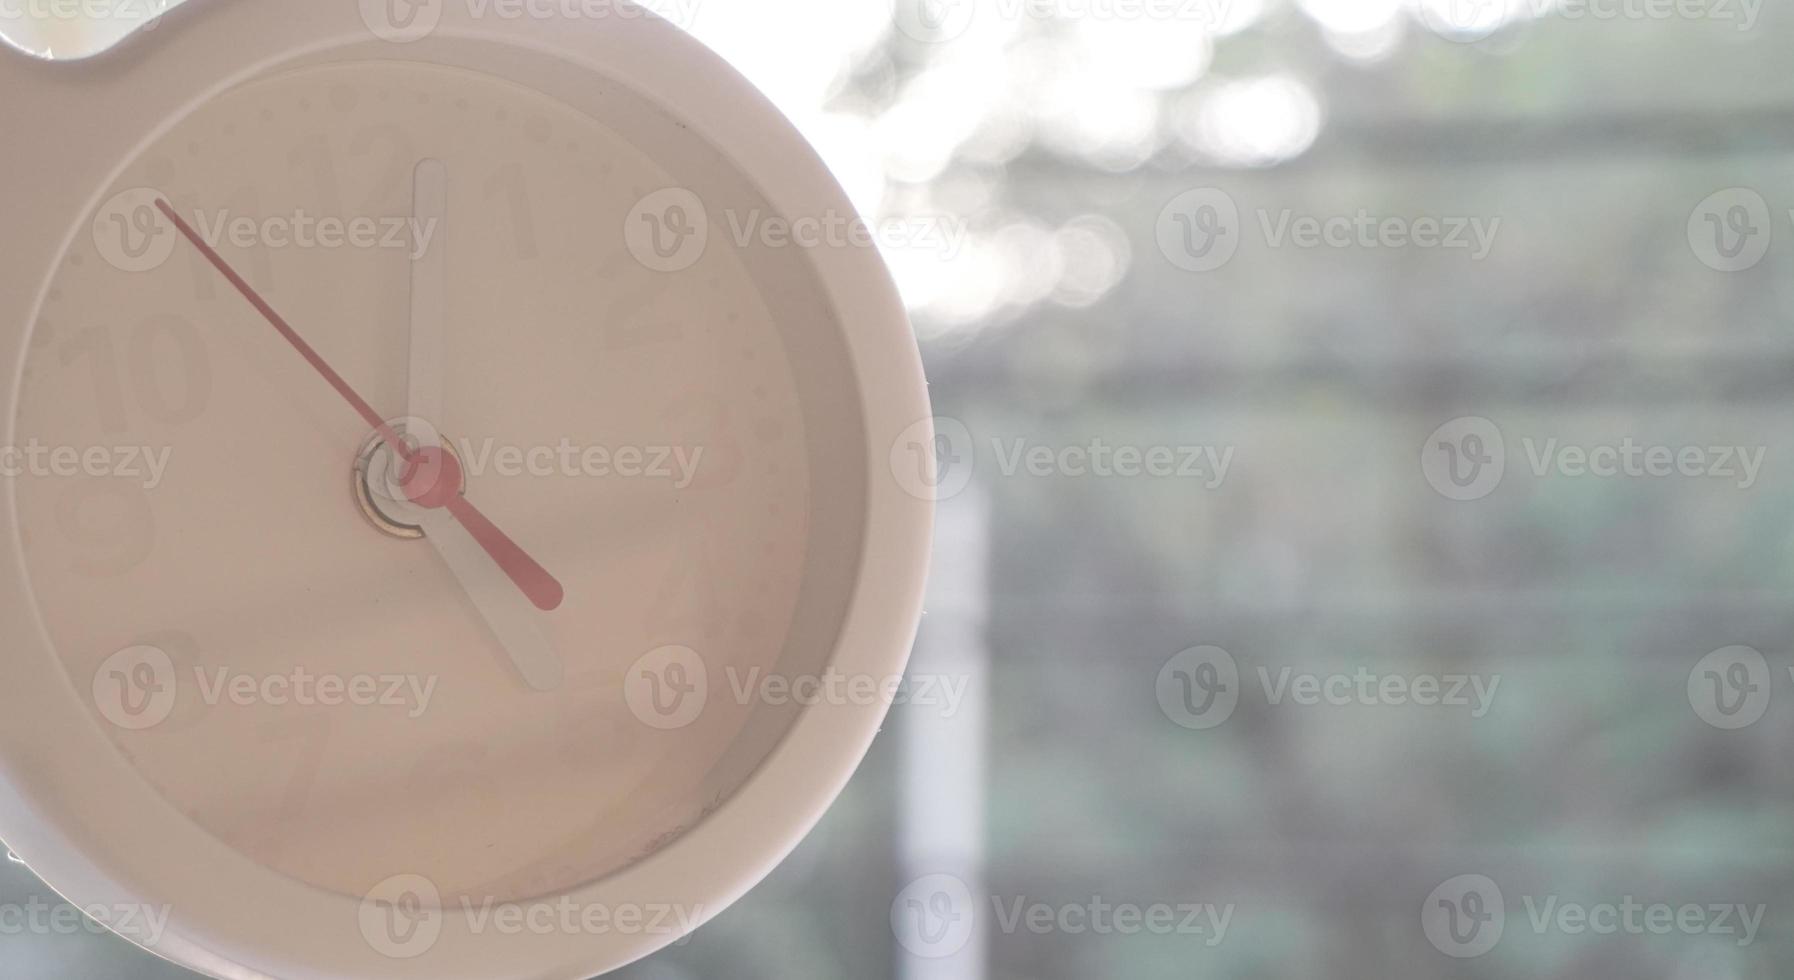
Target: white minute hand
(514,621)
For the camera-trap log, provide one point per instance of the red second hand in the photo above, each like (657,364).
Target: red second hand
(542,588)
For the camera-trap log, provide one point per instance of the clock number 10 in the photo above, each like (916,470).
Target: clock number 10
(143,374)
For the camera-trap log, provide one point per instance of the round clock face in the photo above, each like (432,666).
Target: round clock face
(233,567)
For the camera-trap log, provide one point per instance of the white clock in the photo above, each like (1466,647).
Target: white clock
(442,543)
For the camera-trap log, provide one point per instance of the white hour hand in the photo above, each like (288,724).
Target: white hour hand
(514,621)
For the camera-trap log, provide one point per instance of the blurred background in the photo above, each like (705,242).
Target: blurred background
(1449,634)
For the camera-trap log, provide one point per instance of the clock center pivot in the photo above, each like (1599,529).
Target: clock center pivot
(393,492)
